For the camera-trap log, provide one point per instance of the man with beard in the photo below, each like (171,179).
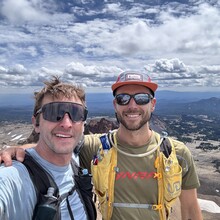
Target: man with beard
(127,176)
(133,179)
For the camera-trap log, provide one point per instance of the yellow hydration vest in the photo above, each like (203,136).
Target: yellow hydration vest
(169,176)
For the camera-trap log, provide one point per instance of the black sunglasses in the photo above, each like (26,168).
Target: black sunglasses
(55,111)
(139,98)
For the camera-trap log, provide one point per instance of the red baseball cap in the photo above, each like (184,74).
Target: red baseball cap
(134,78)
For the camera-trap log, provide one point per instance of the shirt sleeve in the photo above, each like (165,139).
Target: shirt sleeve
(17,193)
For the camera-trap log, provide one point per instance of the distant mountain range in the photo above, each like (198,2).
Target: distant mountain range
(210,107)
(162,96)
(19,108)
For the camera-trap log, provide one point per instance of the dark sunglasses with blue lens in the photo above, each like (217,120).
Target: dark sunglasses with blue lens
(139,98)
(55,111)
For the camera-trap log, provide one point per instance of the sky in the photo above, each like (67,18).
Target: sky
(90,42)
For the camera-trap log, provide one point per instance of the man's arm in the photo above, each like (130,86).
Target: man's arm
(14,151)
(190,209)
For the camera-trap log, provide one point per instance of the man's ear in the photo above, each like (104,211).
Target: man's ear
(114,103)
(35,122)
(153,104)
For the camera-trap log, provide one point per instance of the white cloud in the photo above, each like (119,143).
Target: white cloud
(91,75)
(21,11)
(174,42)
(172,65)
(188,36)
(215,69)
(19,69)
(112,8)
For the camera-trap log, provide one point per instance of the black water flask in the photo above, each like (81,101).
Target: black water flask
(47,210)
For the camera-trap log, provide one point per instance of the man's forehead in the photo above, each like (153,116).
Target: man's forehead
(49,98)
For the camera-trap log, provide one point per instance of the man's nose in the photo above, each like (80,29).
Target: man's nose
(66,121)
(132,103)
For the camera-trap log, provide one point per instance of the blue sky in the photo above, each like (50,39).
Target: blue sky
(90,42)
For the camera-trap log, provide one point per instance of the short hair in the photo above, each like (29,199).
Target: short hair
(57,89)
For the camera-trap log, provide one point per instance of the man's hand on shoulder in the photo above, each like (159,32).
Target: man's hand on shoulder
(10,152)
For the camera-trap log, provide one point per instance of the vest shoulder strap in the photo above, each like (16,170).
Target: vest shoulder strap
(41,179)
(107,140)
(84,187)
(47,206)
(166,147)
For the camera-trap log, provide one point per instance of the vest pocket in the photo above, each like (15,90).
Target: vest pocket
(172,178)
(100,173)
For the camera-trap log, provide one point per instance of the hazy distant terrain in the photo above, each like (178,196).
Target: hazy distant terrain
(19,106)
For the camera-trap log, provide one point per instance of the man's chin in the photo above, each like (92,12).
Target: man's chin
(132,126)
(64,149)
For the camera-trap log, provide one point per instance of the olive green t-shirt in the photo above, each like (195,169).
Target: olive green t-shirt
(134,182)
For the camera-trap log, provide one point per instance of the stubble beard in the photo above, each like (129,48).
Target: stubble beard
(63,149)
(134,126)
